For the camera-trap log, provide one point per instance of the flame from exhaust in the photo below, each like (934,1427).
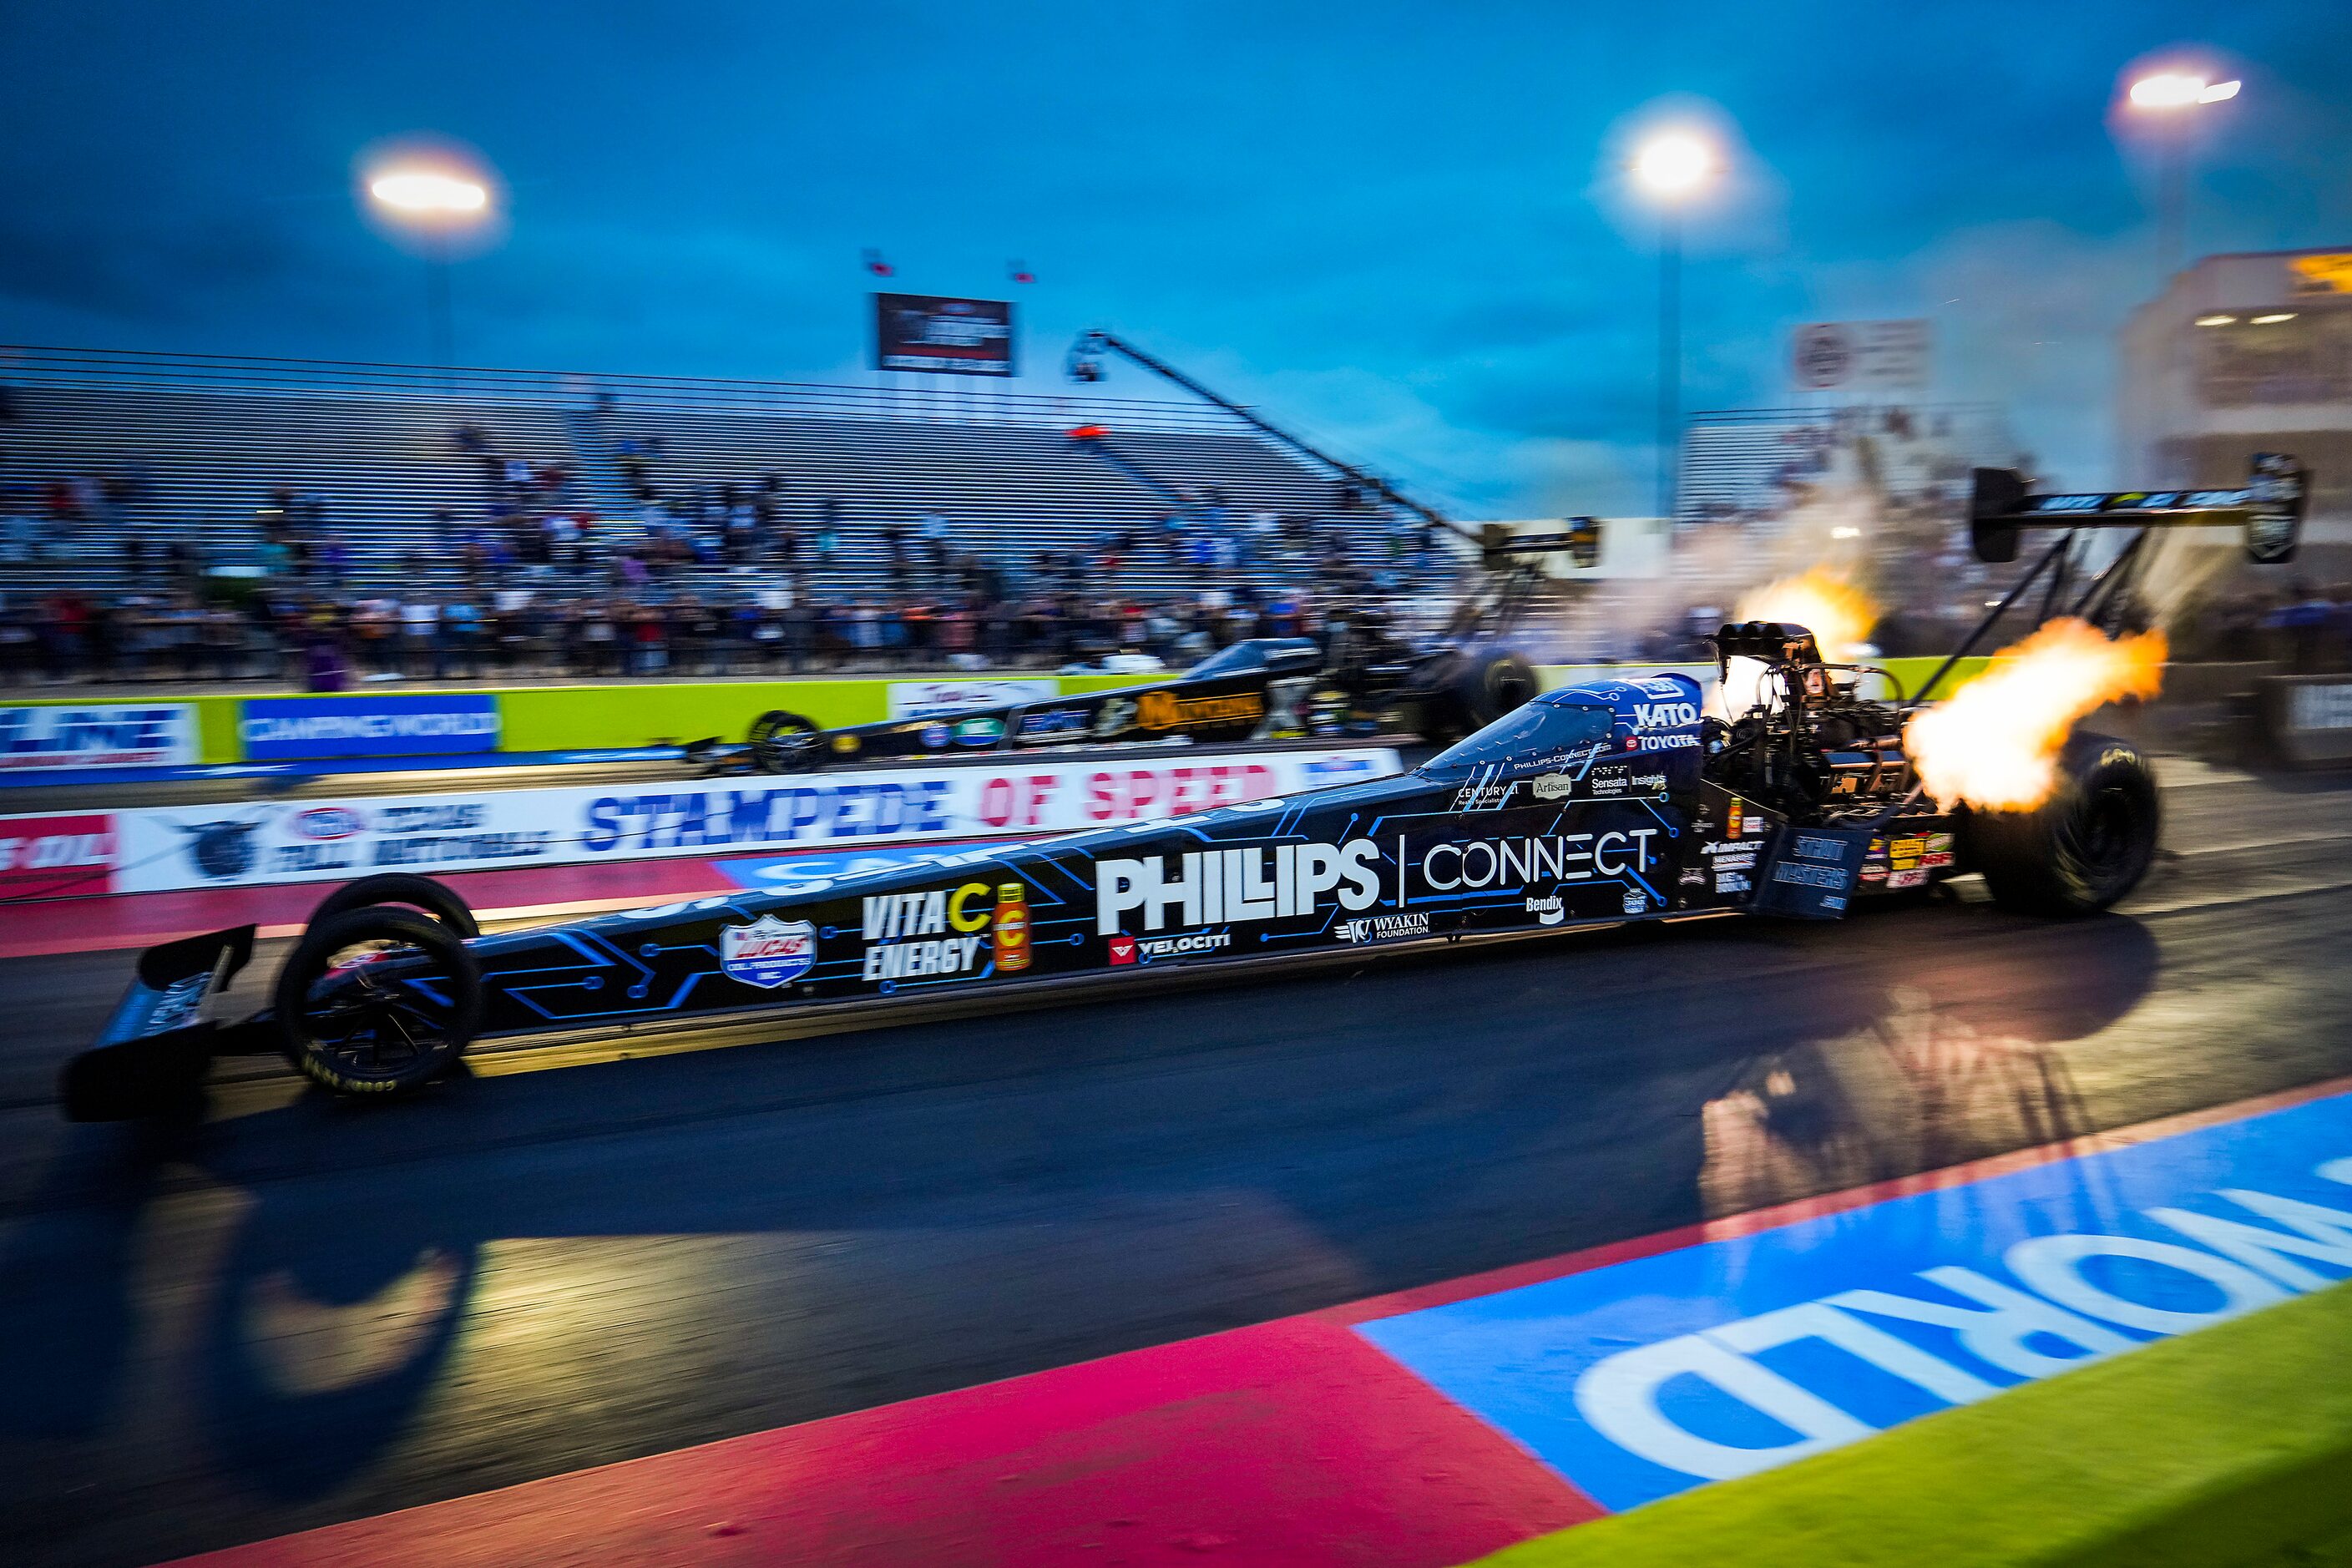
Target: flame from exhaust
(1838,614)
(1995,744)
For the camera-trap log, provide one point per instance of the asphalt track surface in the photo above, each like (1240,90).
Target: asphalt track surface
(303,1310)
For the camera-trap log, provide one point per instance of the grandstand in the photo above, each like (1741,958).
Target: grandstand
(205,441)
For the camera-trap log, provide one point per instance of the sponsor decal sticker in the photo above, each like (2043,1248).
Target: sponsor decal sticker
(1237,887)
(1114,718)
(768,952)
(937,699)
(1046,722)
(1191,944)
(1122,949)
(1475,796)
(1382,928)
(1166,710)
(1912,878)
(1550,910)
(979,731)
(1492,864)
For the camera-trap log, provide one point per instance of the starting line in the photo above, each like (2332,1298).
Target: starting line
(1431,1428)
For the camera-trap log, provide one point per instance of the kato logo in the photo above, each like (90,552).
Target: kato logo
(1664,715)
(768,952)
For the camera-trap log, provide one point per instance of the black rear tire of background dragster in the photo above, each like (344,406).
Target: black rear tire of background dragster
(434,899)
(416,1038)
(2084,847)
(785,743)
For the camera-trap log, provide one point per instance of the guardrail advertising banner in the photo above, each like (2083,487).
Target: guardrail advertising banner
(56,856)
(162,848)
(97,735)
(2307,718)
(378,724)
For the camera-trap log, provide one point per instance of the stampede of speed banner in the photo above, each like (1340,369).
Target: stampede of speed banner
(166,848)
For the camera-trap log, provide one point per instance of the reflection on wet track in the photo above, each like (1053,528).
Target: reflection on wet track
(304,1311)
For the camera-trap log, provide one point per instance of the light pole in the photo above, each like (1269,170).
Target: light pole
(1672,167)
(435,206)
(2167,99)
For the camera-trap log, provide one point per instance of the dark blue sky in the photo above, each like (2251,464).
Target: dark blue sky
(1396,224)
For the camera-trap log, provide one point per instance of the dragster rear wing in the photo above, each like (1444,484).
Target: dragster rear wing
(2269,509)
(1579,538)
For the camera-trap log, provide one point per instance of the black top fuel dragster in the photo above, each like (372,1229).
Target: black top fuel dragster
(1595,804)
(1262,688)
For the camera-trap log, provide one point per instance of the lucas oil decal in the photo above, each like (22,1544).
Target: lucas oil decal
(768,952)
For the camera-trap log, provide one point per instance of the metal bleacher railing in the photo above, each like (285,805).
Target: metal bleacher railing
(981,403)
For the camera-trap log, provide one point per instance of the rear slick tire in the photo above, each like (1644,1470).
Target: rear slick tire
(782,741)
(360,1035)
(407,888)
(2084,847)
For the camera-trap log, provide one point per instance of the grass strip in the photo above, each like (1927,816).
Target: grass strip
(2227,1447)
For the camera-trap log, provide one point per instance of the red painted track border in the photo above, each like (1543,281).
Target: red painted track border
(1292,1442)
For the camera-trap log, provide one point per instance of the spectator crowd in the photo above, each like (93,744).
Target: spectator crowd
(325,642)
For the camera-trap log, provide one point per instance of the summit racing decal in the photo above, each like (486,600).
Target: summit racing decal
(768,952)
(1166,710)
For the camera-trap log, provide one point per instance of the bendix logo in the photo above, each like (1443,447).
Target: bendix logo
(328,822)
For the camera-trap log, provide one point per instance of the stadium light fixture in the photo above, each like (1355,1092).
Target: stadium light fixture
(2215,320)
(440,205)
(1673,163)
(2177,89)
(2273,318)
(2169,100)
(426,192)
(1670,166)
